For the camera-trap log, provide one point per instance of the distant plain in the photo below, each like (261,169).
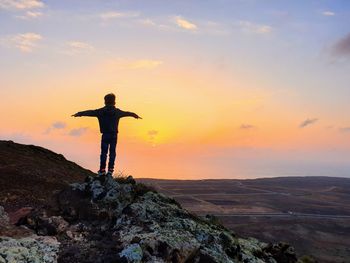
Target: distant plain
(311,213)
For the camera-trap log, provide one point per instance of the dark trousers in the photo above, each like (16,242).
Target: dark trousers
(108,141)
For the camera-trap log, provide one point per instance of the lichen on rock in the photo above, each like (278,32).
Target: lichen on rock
(33,249)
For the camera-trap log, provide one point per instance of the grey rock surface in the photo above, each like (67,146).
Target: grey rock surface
(33,249)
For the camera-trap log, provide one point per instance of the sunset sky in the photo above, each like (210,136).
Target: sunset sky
(226,88)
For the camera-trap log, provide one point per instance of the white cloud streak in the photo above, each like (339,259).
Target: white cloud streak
(115,15)
(30,15)
(26,42)
(78,45)
(249,27)
(328,13)
(185,24)
(20,4)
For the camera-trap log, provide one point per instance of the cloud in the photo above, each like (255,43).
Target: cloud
(342,46)
(59,125)
(20,4)
(78,132)
(249,27)
(114,15)
(75,47)
(247,127)
(344,129)
(147,22)
(185,24)
(328,13)
(24,42)
(31,15)
(308,122)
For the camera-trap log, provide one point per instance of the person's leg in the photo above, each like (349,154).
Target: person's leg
(112,153)
(104,151)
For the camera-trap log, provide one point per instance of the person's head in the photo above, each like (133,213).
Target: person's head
(110,99)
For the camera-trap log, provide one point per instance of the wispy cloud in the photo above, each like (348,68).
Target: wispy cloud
(58,125)
(30,15)
(24,9)
(308,122)
(116,14)
(76,47)
(342,46)
(147,22)
(185,24)
(78,132)
(250,27)
(26,42)
(344,129)
(247,127)
(328,13)
(20,4)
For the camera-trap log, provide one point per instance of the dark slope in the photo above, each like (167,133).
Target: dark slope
(29,175)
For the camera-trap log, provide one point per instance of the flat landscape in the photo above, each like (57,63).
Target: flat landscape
(311,213)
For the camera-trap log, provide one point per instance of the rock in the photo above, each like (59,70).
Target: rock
(20,214)
(281,252)
(132,253)
(4,219)
(44,225)
(151,227)
(30,249)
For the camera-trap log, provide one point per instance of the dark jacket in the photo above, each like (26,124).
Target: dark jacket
(108,117)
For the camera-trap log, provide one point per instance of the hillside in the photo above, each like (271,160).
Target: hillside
(107,220)
(29,174)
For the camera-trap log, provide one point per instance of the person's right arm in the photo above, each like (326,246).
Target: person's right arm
(89,113)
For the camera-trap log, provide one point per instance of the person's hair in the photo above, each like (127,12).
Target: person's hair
(110,99)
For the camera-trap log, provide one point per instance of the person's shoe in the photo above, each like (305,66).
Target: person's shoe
(101,172)
(110,173)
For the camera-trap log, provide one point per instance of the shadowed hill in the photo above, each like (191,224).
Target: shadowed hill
(29,174)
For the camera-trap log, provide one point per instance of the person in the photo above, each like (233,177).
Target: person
(108,118)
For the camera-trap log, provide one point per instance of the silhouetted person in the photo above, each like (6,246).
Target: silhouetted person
(108,118)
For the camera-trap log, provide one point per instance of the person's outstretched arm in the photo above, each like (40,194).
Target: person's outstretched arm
(89,113)
(129,114)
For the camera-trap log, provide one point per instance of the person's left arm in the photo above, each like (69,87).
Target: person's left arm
(128,114)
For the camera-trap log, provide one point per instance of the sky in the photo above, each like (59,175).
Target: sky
(226,88)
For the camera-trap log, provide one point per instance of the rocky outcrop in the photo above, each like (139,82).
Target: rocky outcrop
(4,219)
(118,220)
(33,249)
(28,248)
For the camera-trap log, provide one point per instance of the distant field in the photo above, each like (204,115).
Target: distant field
(311,213)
